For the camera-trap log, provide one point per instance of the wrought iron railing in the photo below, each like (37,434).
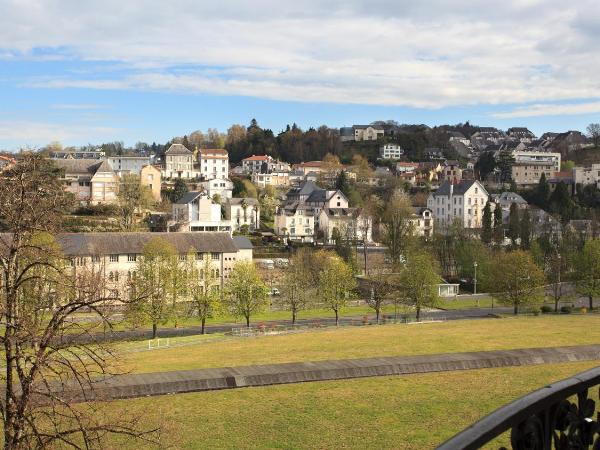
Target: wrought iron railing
(561,416)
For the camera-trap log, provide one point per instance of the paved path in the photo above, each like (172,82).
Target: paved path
(150,384)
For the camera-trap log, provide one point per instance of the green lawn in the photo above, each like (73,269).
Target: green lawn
(404,412)
(466,303)
(372,341)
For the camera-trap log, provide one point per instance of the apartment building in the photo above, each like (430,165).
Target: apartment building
(528,166)
(463,202)
(391,151)
(129,164)
(116,253)
(213,163)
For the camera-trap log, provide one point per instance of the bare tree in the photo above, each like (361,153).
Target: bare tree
(593,131)
(298,281)
(51,362)
(379,288)
(397,226)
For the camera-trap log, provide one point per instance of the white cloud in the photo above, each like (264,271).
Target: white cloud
(33,133)
(423,54)
(547,109)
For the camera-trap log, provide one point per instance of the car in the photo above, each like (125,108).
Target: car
(274,292)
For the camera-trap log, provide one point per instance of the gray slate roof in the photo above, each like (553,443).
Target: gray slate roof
(242,242)
(178,149)
(83,166)
(86,244)
(459,189)
(189,197)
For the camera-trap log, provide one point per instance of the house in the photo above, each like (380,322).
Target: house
(196,211)
(422,222)
(463,202)
(115,254)
(521,134)
(406,167)
(296,222)
(77,154)
(276,179)
(544,224)
(322,198)
(349,222)
(179,162)
(433,153)
(506,199)
(243,212)
(6,162)
(564,177)
(263,164)
(391,151)
(528,166)
(456,136)
(309,166)
(367,132)
(92,181)
(213,163)
(587,175)
(451,171)
(129,164)
(222,187)
(150,176)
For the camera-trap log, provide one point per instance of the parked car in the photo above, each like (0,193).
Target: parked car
(274,291)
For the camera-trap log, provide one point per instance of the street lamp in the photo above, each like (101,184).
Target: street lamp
(475,282)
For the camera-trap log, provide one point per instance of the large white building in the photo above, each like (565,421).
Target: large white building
(391,151)
(179,162)
(196,211)
(463,202)
(116,254)
(213,163)
(243,211)
(223,187)
(587,175)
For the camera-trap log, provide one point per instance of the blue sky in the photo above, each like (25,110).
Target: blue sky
(145,71)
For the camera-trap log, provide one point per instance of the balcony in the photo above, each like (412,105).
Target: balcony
(560,416)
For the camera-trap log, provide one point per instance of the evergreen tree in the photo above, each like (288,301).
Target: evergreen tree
(179,190)
(343,184)
(513,223)
(542,193)
(498,230)
(186,143)
(486,226)
(505,163)
(560,201)
(525,230)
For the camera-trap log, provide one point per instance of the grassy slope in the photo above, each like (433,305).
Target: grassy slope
(416,411)
(387,340)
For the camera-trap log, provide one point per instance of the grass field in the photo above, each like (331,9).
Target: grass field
(404,412)
(372,341)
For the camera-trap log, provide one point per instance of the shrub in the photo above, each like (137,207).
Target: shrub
(546,309)
(565,309)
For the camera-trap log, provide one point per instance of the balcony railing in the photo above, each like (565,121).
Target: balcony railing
(560,416)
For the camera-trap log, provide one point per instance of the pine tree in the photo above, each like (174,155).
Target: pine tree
(486,228)
(542,192)
(498,230)
(513,223)
(525,230)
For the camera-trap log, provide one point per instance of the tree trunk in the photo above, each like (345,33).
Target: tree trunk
(337,319)
(591,299)
(555,305)
(248,321)
(154,330)
(293,317)
(365,254)
(203,324)
(516,309)
(377,315)
(418,313)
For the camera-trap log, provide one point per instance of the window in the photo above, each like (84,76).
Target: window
(132,257)
(182,257)
(199,256)
(215,256)
(96,258)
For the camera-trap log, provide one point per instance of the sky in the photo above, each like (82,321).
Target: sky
(78,71)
